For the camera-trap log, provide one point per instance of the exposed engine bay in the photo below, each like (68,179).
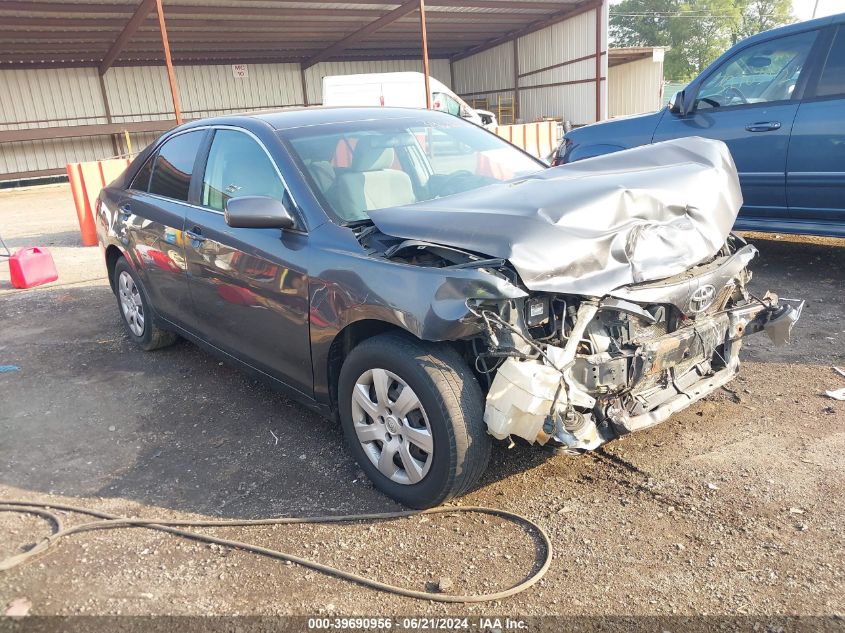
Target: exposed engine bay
(630,303)
(576,371)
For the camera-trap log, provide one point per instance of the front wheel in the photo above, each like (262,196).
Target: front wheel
(412,414)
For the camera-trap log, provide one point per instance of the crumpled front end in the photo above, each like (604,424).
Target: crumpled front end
(576,371)
(636,294)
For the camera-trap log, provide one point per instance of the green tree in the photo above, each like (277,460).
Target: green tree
(703,30)
(697,31)
(761,15)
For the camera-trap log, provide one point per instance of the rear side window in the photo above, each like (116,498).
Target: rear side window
(832,80)
(174,165)
(141,181)
(238,166)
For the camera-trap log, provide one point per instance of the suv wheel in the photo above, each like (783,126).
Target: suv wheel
(135,309)
(412,414)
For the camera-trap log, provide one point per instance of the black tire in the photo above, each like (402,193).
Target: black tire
(454,406)
(152,337)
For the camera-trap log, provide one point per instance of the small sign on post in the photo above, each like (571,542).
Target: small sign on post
(240,71)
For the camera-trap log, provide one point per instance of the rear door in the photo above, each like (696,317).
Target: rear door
(154,213)
(248,286)
(749,101)
(816,165)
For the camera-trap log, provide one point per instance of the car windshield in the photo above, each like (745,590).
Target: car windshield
(359,166)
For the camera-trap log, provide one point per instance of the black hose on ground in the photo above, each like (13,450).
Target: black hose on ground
(110,521)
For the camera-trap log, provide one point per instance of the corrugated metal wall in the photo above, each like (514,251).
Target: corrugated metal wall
(65,97)
(635,87)
(487,75)
(490,73)
(439,69)
(141,93)
(562,42)
(43,98)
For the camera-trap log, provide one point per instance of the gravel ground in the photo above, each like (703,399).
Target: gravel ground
(733,507)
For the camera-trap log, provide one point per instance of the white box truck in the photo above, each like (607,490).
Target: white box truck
(399,90)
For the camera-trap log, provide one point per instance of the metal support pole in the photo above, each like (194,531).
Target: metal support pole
(107,109)
(424,37)
(599,11)
(303,80)
(515,43)
(171,76)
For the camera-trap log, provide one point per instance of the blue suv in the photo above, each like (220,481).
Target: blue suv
(778,100)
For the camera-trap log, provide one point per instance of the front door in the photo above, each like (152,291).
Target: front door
(815,181)
(248,286)
(749,102)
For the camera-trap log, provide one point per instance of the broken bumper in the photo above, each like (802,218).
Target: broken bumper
(670,372)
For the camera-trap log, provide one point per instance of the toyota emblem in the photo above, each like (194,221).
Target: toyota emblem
(702,298)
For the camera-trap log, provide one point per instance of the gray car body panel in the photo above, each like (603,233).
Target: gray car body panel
(586,228)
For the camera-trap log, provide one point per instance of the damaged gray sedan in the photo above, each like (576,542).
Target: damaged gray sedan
(433,287)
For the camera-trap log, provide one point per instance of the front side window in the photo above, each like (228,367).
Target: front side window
(238,166)
(832,80)
(360,166)
(762,73)
(174,165)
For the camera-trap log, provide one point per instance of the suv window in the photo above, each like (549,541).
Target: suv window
(762,73)
(238,166)
(832,80)
(174,165)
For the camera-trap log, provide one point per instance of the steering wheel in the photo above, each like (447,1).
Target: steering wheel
(710,102)
(734,92)
(451,183)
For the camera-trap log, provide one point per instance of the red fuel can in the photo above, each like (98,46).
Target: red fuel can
(32,267)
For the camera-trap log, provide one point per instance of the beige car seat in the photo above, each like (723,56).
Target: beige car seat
(370,183)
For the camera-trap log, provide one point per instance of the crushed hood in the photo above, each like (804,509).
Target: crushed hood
(594,225)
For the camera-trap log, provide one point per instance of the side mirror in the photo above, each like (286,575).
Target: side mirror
(258,212)
(676,103)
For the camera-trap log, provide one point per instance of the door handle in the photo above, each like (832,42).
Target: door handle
(195,234)
(125,210)
(763,126)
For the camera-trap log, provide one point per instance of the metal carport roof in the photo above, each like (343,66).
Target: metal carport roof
(57,33)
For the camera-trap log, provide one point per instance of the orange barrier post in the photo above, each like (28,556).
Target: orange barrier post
(86,181)
(83,209)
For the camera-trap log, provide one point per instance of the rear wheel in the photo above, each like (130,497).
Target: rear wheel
(138,318)
(412,414)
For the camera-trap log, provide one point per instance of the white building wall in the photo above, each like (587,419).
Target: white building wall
(565,91)
(636,87)
(439,69)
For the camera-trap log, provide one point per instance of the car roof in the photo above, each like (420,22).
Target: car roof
(289,118)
